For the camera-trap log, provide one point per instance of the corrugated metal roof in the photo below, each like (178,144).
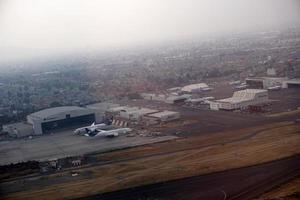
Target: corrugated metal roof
(243,95)
(53,111)
(102,105)
(293,81)
(190,88)
(163,113)
(143,111)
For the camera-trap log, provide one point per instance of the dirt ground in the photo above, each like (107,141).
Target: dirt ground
(195,122)
(286,100)
(239,184)
(168,161)
(287,191)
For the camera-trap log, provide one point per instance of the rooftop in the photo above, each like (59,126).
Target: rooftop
(189,88)
(143,111)
(250,91)
(178,97)
(163,113)
(242,95)
(102,105)
(53,111)
(297,81)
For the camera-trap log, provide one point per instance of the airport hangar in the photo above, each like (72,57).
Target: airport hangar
(48,120)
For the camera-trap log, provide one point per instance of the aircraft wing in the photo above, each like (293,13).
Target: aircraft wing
(107,133)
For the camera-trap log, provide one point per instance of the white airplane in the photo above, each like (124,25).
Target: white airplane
(92,128)
(234,83)
(274,88)
(109,133)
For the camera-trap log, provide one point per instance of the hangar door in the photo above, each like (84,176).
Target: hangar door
(255,84)
(293,85)
(48,127)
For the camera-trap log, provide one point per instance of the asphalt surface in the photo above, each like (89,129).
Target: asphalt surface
(16,185)
(63,144)
(237,184)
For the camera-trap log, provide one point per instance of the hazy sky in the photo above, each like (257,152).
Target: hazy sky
(30,28)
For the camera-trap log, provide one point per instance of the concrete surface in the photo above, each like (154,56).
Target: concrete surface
(64,144)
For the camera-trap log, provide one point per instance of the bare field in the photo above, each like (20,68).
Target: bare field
(285,191)
(172,160)
(284,113)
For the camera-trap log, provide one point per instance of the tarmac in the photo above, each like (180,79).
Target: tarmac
(65,143)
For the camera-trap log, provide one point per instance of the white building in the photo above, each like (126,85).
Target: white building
(164,116)
(195,88)
(241,99)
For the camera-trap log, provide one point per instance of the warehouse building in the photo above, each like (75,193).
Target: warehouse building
(193,88)
(100,109)
(173,99)
(136,115)
(129,113)
(153,97)
(256,83)
(293,83)
(120,109)
(160,117)
(265,82)
(241,99)
(18,130)
(48,120)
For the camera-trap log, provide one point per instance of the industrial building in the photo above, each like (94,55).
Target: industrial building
(265,82)
(135,115)
(120,109)
(292,83)
(177,98)
(193,88)
(164,116)
(241,99)
(170,99)
(18,130)
(48,120)
(129,113)
(153,97)
(100,109)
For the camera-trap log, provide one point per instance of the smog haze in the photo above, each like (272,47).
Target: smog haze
(36,28)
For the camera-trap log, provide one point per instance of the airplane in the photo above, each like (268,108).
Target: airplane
(274,87)
(92,128)
(109,133)
(234,83)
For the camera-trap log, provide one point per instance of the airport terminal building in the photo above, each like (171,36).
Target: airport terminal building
(48,120)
